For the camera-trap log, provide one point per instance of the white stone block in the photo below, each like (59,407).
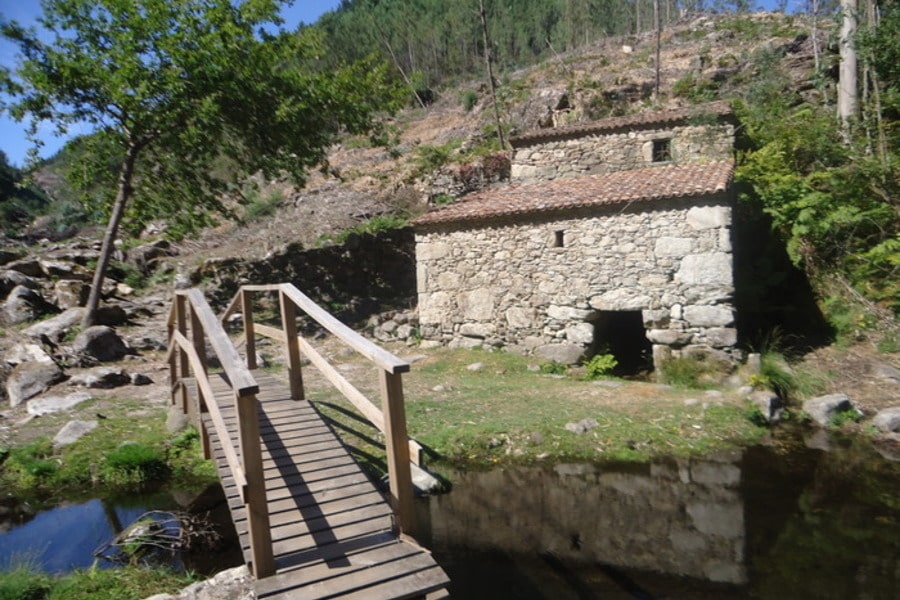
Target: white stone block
(432,250)
(476,305)
(709,316)
(709,217)
(582,333)
(566,313)
(713,268)
(621,299)
(519,317)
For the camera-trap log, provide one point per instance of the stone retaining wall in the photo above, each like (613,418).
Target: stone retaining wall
(537,285)
(618,151)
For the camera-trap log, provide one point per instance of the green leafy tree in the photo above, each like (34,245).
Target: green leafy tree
(186,98)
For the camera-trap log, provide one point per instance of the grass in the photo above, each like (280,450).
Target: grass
(25,582)
(507,413)
(127,450)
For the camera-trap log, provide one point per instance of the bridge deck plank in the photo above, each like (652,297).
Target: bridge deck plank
(333,532)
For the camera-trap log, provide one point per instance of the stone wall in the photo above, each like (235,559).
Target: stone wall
(618,151)
(538,286)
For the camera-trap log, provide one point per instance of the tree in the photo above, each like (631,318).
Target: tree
(174,90)
(847,79)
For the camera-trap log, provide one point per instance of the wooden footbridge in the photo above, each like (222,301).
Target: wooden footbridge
(311,523)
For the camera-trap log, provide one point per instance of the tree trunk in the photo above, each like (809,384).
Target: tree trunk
(123,193)
(490,73)
(847,99)
(658,43)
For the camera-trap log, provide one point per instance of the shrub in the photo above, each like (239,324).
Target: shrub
(24,582)
(31,465)
(600,365)
(134,464)
(469,100)
(553,368)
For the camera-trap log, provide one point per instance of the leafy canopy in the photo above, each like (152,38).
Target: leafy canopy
(196,92)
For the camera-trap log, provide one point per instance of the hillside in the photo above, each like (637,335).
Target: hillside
(703,58)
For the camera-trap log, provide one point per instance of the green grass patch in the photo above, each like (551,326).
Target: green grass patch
(24,582)
(123,452)
(506,413)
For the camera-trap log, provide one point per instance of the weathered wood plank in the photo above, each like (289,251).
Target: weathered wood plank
(332,533)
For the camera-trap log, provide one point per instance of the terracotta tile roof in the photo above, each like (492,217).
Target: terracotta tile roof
(628,122)
(621,187)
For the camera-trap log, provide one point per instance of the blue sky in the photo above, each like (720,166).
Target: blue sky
(12,134)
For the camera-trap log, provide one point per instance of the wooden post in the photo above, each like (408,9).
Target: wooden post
(397,446)
(249,334)
(263,560)
(184,363)
(291,347)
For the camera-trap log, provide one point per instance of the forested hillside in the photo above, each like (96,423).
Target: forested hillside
(829,184)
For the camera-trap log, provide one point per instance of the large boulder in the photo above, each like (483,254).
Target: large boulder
(887,420)
(25,304)
(72,432)
(30,379)
(70,293)
(55,328)
(101,343)
(825,408)
(101,377)
(11,279)
(146,257)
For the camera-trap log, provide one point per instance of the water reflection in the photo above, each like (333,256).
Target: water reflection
(64,537)
(770,522)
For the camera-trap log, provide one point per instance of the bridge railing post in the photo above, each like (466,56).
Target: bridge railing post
(249,333)
(254,495)
(292,347)
(397,446)
(182,358)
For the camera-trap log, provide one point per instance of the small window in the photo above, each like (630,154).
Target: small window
(559,239)
(662,150)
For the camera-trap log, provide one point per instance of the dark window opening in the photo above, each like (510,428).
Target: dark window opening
(558,241)
(621,333)
(662,150)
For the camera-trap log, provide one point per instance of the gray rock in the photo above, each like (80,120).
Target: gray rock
(72,432)
(8,255)
(11,279)
(111,315)
(30,379)
(100,342)
(25,304)
(176,420)
(887,420)
(565,354)
(69,293)
(887,372)
(24,352)
(27,266)
(147,343)
(57,269)
(768,404)
(582,426)
(140,379)
(824,408)
(233,584)
(54,404)
(55,328)
(101,377)
(478,366)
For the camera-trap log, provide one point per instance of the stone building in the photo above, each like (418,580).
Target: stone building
(614,236)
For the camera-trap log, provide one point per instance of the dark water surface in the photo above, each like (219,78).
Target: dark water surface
(787,521)
(62,538)
(784,522)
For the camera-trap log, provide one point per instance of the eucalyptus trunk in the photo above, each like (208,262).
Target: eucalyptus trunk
(123,193)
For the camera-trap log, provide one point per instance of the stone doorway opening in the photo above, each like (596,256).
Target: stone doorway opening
(621,333)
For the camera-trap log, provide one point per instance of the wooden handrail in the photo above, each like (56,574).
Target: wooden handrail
(390,419)
(186,355)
